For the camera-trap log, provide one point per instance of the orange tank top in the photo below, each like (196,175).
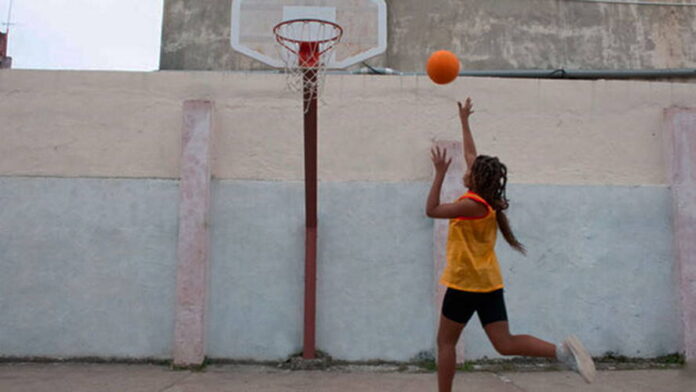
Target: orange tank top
(471,261)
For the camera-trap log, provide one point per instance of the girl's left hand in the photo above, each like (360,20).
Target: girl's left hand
(440,160)
(466,109)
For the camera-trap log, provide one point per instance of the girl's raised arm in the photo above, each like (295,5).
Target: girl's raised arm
(465,110)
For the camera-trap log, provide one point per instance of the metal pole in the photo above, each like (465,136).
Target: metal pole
(310,155)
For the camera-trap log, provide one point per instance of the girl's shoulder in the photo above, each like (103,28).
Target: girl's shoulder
(474,196)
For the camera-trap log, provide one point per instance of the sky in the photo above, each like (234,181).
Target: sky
(121,35)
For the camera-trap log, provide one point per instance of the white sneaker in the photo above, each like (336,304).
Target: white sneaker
(583,361)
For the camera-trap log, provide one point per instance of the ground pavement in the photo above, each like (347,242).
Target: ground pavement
(81,377)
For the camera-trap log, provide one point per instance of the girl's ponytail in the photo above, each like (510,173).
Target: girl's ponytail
(490,178)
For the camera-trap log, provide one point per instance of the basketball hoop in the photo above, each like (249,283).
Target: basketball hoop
(306,45)
(302,38)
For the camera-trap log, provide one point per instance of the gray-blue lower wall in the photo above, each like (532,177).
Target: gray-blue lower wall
(375,274)
(88,268)
(600,265)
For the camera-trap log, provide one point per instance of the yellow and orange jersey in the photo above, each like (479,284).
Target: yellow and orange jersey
(471,261)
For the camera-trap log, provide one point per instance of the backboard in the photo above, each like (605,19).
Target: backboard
(364,24)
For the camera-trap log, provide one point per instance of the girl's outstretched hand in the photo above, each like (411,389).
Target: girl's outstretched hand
(440,160)
(465,109)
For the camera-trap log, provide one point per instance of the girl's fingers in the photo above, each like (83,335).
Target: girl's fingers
(439,156)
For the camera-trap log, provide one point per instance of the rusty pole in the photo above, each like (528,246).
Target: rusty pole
(310,157)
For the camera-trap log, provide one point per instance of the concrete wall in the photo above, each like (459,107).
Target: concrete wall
(531,34)
(589,192)
(87,267)
(77,124)
(501,34)
(600,261)
(374,274)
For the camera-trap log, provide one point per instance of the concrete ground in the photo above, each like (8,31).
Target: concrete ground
(71,377)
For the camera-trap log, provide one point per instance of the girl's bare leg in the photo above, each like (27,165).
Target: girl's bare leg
(524,345)
(447,336)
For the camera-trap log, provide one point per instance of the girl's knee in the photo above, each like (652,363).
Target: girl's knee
(503,346)
(505,350)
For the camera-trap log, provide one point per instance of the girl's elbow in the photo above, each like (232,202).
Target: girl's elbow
(430,213)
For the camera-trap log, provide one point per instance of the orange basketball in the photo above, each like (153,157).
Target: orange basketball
(443,67)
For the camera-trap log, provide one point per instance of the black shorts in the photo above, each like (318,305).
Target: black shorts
(459,306)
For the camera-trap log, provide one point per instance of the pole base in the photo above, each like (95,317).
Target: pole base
(6,63)
(298,362)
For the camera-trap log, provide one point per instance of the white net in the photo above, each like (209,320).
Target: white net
(305,47)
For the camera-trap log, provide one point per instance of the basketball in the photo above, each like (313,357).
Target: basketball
(443,67)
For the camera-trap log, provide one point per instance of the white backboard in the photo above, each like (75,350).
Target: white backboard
(364,24)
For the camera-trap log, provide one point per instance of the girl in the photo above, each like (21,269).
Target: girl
(472,275)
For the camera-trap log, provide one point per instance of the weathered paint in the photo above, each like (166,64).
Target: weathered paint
(541,34)
(374,272)
(374,298)
(680,125)
(256,265)
(87,267)
(73,124)
(193,246)
(501,34)
(600,262)
(106,124)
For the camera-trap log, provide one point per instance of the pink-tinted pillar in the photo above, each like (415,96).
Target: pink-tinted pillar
(192,250)
(680,156)
(452,188)
(5,62)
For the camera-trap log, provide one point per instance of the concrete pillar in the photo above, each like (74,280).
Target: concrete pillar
(194,203)
(452,188)
(680,158)
(5,62)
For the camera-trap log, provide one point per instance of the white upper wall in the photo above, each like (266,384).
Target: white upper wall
(372,128)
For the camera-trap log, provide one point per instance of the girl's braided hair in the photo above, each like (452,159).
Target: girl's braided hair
(489,177)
